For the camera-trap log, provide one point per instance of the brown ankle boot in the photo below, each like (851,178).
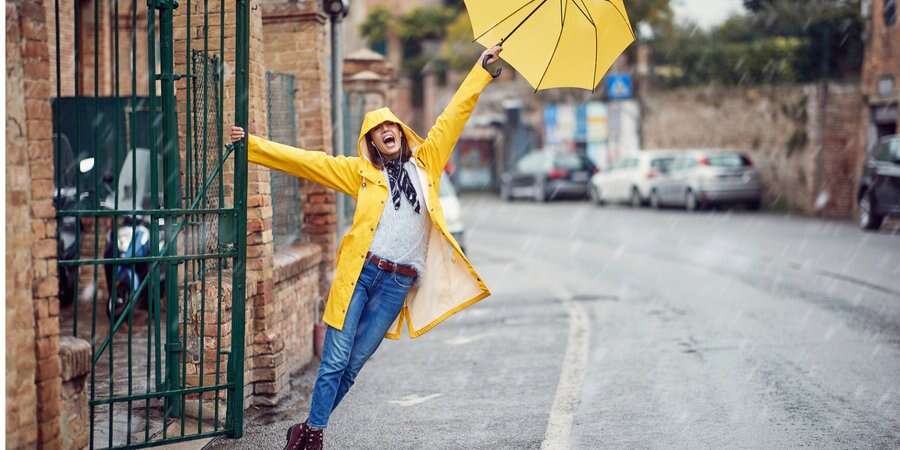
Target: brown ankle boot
(314,438)
(296,437)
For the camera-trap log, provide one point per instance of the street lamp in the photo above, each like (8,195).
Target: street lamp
(337,9)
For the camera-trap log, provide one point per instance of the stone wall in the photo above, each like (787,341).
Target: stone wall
(804,139)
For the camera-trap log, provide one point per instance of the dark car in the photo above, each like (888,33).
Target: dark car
(879,187)
(545,175)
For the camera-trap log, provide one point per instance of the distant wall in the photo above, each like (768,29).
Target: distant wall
(806,140)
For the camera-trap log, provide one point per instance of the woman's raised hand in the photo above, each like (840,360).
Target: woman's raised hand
(489,57)
(237,133)
(492,54)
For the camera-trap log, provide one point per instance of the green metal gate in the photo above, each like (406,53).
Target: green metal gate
(151,212)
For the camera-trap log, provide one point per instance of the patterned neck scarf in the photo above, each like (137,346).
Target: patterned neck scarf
(400,182)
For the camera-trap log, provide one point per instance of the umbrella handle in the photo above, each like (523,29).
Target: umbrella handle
(485,64)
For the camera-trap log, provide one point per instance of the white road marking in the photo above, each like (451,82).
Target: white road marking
(413,399)
(460,340)
(568,391)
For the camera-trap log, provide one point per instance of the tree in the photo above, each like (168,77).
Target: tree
(777,41)
(657,14)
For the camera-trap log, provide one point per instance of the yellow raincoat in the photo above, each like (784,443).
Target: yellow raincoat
(449,282)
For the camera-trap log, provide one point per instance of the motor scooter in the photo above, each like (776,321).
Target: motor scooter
(130,238)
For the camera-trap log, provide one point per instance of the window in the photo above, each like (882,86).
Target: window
(730,160)
(287,214)
(890,12)
(662,164)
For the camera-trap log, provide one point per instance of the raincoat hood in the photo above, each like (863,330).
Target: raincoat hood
(374,118)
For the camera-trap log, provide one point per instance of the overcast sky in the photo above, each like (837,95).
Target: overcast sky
(705,13)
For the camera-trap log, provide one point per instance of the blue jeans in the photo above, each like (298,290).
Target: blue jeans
(376,301)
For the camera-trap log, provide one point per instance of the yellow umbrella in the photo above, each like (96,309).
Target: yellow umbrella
(554,43)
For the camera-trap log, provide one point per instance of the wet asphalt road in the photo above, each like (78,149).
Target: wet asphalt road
(620,328)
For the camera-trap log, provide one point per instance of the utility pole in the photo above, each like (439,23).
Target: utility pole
(337,10)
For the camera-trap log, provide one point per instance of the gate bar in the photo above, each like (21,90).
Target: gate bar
(241,115)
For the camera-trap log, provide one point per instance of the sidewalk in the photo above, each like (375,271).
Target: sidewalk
(265,427)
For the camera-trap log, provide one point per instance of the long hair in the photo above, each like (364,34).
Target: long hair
(377,160)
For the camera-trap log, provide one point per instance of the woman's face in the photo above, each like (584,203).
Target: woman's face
(386,138)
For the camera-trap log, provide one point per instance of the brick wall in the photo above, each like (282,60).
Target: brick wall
(27,39)
(296,296)
(801,138)
(21,395)
(882,53)
(295,44)
(842,147)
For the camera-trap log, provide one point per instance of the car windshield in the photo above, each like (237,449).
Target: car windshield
(447,189)
(731,160)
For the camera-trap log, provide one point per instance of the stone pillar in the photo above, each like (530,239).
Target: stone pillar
(75,362)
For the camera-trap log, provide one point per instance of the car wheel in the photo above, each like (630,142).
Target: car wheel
(868,219)
(596,196)
(754,205)
(691,203)
(635,199)
(654,200)
(505,193)
(540,193)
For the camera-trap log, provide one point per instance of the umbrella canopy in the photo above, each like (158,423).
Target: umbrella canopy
(554,43)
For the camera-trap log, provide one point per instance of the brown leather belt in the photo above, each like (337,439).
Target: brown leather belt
(389,266)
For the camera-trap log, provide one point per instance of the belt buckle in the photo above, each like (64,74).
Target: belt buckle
(384,265)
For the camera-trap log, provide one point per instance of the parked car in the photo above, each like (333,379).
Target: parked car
(631,179)
(547,174)
(879,186)
(452,211)
(704,178)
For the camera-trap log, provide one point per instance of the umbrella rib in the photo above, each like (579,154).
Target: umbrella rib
(505,18)
(587,15)
(623,18)
(522,22)
(556,47)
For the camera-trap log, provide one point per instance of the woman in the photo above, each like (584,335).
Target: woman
(397,263)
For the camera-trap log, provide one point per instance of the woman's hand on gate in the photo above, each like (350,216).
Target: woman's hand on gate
(237,133)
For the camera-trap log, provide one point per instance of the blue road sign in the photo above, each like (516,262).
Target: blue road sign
(618,87)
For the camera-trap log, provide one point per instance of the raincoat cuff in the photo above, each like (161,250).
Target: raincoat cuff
(481,74)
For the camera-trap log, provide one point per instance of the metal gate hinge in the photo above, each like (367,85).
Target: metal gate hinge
(162,4)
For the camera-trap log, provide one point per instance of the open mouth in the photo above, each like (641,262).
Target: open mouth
(389,139)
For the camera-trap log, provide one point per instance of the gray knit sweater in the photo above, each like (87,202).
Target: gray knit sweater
(402,234)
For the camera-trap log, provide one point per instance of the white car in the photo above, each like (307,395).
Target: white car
(631,179)
(452,211)
(703,178)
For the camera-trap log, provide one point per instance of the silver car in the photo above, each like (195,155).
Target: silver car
(698,179)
